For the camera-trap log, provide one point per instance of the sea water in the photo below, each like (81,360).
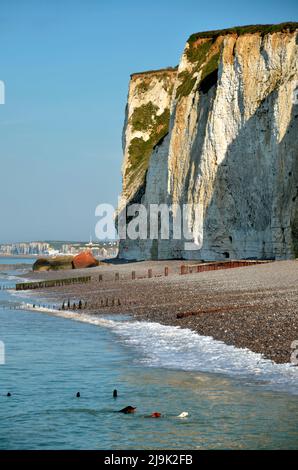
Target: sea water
(235,398)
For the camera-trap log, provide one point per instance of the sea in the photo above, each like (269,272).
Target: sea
(234,398)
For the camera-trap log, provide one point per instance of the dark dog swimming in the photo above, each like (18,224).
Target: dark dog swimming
(128,409)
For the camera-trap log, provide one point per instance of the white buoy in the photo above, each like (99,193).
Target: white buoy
(184,414)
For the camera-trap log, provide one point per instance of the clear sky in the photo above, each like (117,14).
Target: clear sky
(66,67)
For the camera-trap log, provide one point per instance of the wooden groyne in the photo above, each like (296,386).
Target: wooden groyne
(214,266)
(182,269)
(52,283)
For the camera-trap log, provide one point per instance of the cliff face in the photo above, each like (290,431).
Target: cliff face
(219,134)
(147,118)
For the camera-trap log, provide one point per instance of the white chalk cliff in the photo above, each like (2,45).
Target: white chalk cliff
(219,133)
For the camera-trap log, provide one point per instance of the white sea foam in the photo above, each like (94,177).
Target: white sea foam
(181,348)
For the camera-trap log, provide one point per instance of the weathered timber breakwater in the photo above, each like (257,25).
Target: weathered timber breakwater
(52,283)
(254,306)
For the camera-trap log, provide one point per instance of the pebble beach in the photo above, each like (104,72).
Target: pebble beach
(252,307)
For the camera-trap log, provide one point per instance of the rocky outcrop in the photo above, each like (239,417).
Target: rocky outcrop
(85,259)
(219,134)
(54,263)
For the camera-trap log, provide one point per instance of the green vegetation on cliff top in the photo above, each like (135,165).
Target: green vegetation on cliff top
(145,118)
(249,29)
(208,74)
(156,71)
(198,53)
(187,84)
(145,82)
(210,66)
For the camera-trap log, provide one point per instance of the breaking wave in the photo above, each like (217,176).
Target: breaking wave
(181,348)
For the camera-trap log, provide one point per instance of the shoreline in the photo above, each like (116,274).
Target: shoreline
(253,307)
(182,349)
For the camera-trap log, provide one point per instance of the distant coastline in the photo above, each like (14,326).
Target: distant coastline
(100,249)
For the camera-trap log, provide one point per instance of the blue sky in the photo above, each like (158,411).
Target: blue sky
(66,67)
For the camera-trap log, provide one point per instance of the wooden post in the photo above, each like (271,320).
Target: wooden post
(166,271)
(150,273)
(116,276)
(100,278)
(133,275)
(184,269)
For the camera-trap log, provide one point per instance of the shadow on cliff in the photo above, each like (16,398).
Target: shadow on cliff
(253,212)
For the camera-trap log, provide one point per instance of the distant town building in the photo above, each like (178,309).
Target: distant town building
(107,249)
(31,248)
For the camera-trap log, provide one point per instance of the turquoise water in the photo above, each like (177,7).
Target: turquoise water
(234,399)
(9,260)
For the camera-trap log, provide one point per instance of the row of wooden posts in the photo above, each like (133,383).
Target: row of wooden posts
(195,268)
(103,302)
(112,302)
(74,306)
(199,268)
(52,283)
(184,269)
(133,275)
